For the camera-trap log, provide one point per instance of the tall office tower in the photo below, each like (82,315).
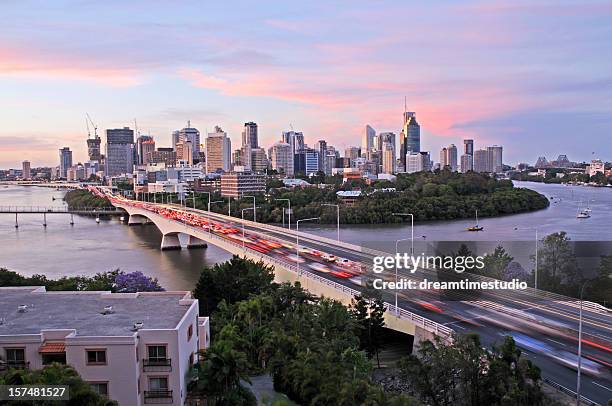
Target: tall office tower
(237,158)
(218,151)
(119,151)
(443,158)
(65,158)
(175,139)
(193,135)
(295,139)
(281,158)
(93,147)
(418,162)
(481,161)
(322,148)
(162,155)
(388,158)
(468,147)
(367,141)
(410,138)
(259,161)
(144,145)
(451,157)
(352,153)
(246,156)
(467,163)
(306,162)
(26,172)
(384,138)
(249,134)
(496,164)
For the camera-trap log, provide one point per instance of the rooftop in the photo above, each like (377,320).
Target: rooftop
(85,311)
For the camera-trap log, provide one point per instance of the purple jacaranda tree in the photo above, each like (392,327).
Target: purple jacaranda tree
(136,282)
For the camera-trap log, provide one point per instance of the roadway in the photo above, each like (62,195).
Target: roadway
(543,326)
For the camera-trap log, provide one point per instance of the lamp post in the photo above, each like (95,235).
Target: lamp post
(411,229)
(243,210)
(537,240)
(289,203)
(396,272)
(579,345)
(297,240)
(254,209)
(337,217)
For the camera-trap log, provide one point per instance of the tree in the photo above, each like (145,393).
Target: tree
(231,281)
(495,264)
(81,393)
(557,266)
(136,282)
(370,316)
(600,289)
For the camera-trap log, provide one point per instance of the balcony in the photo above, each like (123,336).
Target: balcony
(4,365)
(156,365)
(157,397)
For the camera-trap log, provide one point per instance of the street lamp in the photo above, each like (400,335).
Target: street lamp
(396,278)
(243,210)
(289,202)
(254,209)
(411,229)
(537,240)
(580,345)
(297,240)
(337,217)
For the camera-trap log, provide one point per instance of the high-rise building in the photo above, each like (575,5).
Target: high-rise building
(281,158)
(496,164)
(388,158)
(451,157)
(259,161)
(352,153)
(386,137)
(467,163)
(236,184)
(367,141)
(249,135)
(119,151)
(144,145)
(218,151)
(192,135)
(175,139)
(418,162)
(306,161)
(93,147)
(322,148)
(165,155)
(65,158)
(468,147)
(481,161)
(26,172)
(410,138)
(295,139)
(443,158)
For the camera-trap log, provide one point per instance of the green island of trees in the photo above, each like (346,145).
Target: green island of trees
(84,199)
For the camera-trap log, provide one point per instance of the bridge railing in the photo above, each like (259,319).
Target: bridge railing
(571,393)
(55,209)
(446,333)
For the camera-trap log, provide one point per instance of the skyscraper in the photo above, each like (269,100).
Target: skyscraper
(417,162)
(367,141)
(295,139)
(218,151)
(192,135)
(249,135)
(467,163)
(388,158)
(65,158)
(495,159)
(322,148)
(410,139)
(481,160)
(144,145)
(26,173)
(281,158)
(119,151)
(451,152)
(93,148)
(443,158)
(259,161)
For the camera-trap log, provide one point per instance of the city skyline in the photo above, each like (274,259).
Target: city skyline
(324,70)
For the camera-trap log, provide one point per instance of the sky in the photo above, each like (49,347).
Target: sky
(534,76)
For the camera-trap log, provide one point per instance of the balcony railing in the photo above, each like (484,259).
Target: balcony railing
(4,365)
(156,365)
(159,396)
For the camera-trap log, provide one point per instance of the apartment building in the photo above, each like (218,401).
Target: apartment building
(236,184)
(135,348)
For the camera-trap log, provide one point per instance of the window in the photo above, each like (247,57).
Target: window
(158,383)
(156,352)
(15,356)
(190,332)
(101,388)
(96,357)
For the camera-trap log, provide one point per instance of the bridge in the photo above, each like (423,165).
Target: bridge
(548,322)
(91,211)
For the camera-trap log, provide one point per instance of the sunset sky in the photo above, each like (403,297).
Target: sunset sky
(533,76)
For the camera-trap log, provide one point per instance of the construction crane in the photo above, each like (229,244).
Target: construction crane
(88,131)
(95,127)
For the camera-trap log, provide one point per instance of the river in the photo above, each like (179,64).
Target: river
(87,247)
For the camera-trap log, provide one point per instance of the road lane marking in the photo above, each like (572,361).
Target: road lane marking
(601,386)
(556,342)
